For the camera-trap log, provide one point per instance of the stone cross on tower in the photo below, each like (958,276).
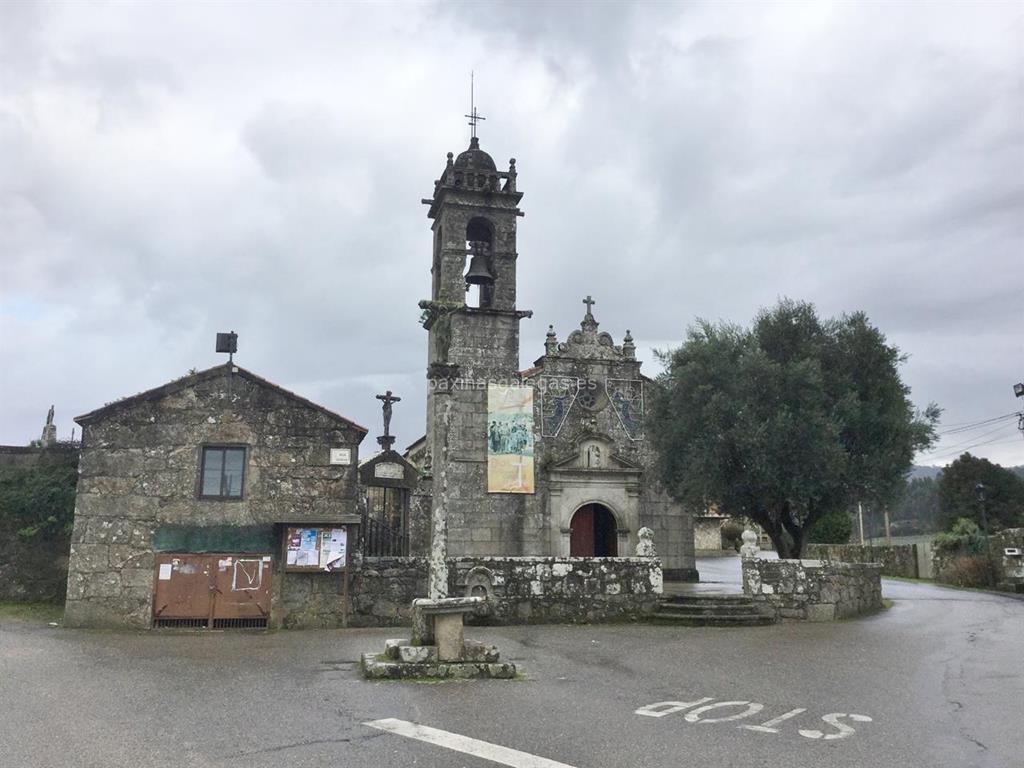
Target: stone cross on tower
(387,439)
(590,303)
(473,116)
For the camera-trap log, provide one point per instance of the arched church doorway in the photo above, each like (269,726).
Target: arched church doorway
(593,532)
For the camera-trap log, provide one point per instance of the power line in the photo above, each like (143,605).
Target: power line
(972,438)
(971,426)
(948,453)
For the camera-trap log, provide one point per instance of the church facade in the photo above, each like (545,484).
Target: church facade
(551,461)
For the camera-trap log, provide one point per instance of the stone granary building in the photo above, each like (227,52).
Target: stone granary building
(193,486)
(550,461)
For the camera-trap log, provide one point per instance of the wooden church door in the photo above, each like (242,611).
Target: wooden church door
(581,532)
(592,532)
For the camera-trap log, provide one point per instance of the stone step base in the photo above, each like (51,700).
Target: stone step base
(683,619)
(709,609)
(472,651)
(707,598)
(382,668)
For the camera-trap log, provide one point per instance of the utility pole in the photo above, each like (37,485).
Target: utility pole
(888,533)
(980,489)
(860,517)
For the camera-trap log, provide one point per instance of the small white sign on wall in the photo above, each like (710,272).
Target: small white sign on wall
(341,456)
(389,470)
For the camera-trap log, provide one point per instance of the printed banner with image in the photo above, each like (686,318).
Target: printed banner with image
(509,439)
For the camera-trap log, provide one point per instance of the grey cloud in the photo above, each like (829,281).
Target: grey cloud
(677,161)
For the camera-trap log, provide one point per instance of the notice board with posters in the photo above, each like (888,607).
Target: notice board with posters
(316,548)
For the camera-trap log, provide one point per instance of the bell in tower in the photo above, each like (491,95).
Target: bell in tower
(479,273)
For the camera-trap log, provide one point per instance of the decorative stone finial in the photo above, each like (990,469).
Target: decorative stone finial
(551,341)
(749,547)
(645,547)
(449,170)
(628,347)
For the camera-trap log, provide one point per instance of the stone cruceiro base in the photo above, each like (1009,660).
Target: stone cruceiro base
(402,659)
(438,648)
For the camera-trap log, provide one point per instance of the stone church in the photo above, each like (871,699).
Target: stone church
(548,461)
(223,500)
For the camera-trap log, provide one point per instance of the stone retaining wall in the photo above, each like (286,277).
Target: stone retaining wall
(896,559)
(1009,568)
(520,590)
(381,594)
(995,569)
(536,590)
(813,590)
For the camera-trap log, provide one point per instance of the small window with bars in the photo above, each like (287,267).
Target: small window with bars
(222,473)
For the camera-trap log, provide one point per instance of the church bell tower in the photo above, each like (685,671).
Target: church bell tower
(471,315)
(473,327)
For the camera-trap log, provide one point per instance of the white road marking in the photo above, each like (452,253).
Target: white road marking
(701,706)
(833,719)
(469,746)
(694,716)
(766,727)
(662,708)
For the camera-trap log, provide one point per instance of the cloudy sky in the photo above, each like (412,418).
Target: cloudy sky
(170,170)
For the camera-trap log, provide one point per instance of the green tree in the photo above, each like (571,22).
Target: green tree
(787,421)
(833,528)
(919,504)
(38,502)
(958,497)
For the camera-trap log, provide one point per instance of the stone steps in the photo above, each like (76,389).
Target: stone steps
(710,611)
(402,659)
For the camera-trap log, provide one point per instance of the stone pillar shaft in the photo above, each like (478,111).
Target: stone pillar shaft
(437,575)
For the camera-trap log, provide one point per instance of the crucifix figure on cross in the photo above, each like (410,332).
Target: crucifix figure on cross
(388,399)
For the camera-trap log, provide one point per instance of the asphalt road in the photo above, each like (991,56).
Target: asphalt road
(940,675)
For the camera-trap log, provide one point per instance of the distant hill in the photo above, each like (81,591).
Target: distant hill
(933,472)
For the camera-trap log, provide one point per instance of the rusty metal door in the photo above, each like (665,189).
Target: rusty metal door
(241,591)
(213,591)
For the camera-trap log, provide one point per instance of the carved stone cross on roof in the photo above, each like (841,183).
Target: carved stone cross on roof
(589,302)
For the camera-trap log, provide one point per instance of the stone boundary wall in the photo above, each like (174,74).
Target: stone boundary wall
(538,590)
(381,592)
(813,590)
(520,590)
(896,559)
(1004,572)
(1009,568)
(30,455)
